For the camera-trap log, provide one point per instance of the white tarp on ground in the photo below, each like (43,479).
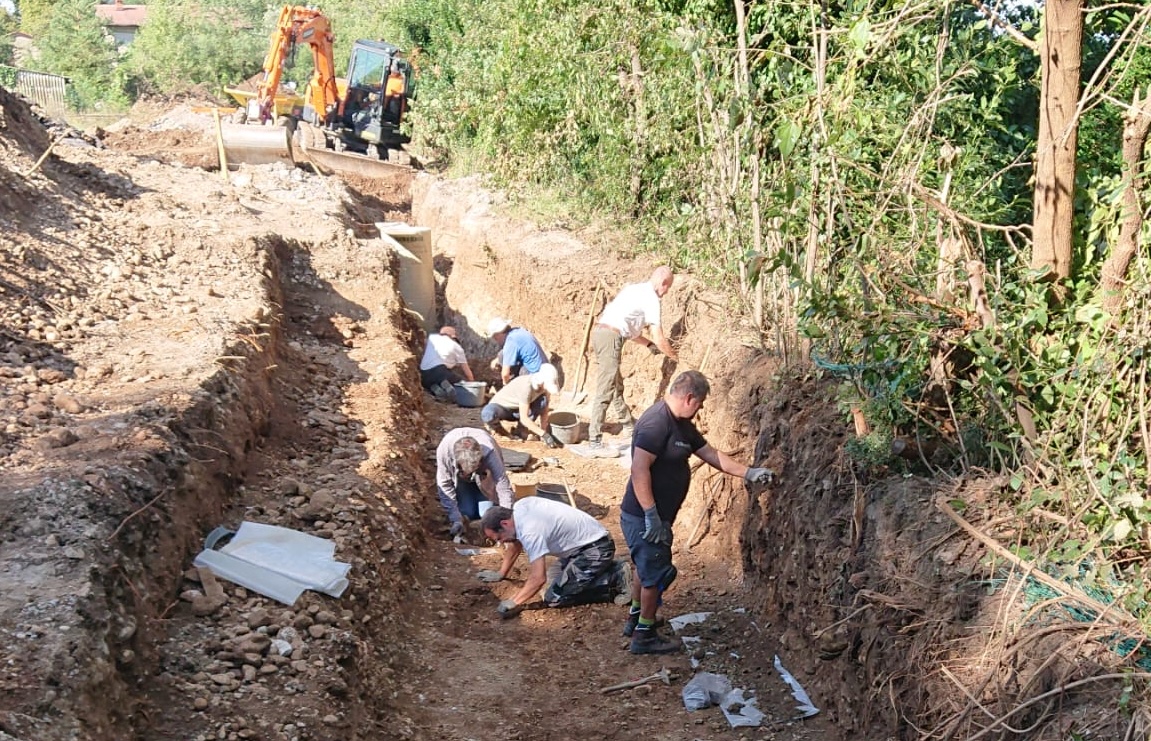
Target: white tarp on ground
(278,562)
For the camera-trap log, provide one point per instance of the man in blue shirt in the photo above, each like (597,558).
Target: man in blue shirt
(520,350)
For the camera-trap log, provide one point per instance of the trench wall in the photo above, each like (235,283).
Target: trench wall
(137,513)
(807,547)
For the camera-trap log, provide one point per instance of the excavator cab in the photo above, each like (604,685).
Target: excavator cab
(378,87)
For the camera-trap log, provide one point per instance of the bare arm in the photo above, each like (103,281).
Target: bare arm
(537,576)
(467,371)
(662,342)
(641,462)
(528,422)
(512,551)
(721,461)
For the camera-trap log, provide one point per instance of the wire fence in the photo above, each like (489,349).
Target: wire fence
(48,91)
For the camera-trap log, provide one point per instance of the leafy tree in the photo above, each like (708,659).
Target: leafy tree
(36,15)
(77,46)
(218,42)
(9,24)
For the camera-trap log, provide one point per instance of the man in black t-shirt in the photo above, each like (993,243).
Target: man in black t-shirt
(661,447)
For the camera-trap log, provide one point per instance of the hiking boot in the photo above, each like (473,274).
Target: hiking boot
(494,430)
(627,429)
(632,621)
(651,642)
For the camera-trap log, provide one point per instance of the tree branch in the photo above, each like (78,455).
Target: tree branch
(1007,28)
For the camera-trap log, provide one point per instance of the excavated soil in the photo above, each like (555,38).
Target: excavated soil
(181,351)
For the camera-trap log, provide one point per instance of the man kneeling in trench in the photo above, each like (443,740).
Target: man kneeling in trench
(587,571)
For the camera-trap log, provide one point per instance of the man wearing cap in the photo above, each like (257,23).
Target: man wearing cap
(520,350)
(525,399)
(442,357)
(470,476)
(586,571)
(624,318)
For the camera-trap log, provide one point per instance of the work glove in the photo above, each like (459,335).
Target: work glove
(550,441)
(456,529)
(759,475)
(508,608)
(654,349)
(655,531)
(489,576)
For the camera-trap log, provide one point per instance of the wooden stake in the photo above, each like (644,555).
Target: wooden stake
(577,385)
(48,151)
(220,144)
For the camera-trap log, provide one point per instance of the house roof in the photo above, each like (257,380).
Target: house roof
(123,15)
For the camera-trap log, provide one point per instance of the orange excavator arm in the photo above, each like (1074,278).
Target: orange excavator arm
(299,25)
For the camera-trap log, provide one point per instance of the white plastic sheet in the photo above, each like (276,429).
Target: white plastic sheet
(805,707)
(278,562)
(679,622)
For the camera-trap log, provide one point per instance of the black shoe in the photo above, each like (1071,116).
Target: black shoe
(649,641)
(630,623)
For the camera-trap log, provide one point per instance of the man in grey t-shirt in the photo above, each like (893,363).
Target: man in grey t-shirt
(587,571)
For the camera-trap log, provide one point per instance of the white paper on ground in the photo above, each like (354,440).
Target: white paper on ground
(806,708)
(678,622)
(278,562)
(476,551)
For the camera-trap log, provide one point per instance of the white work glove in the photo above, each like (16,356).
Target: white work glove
(759,475)
(489,576)
(508,608)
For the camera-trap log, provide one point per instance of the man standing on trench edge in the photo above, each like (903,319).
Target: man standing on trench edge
(624,318)
(470,476)
(665,438)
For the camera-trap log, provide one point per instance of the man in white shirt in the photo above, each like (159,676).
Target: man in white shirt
(525,400)
(587,571)
(438,368)
(625,318)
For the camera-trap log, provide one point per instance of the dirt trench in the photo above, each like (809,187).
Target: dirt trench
(182,353)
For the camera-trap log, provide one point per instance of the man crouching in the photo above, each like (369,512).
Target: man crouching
(587,569)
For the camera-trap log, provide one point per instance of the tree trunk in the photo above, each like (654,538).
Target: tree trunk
(1136,124)
(1060,53)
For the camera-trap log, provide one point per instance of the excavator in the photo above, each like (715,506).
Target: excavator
(342,124)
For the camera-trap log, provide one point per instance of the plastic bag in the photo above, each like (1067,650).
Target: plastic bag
(704,690)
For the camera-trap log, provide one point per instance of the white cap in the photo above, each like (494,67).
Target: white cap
(497,325)
(547,378)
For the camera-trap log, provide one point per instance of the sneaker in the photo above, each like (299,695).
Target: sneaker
(651,642)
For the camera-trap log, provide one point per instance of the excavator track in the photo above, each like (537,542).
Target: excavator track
(310,146)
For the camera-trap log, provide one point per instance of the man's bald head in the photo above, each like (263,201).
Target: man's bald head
(661,280)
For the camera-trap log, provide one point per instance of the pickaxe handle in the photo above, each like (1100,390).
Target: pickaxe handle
(633,683)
